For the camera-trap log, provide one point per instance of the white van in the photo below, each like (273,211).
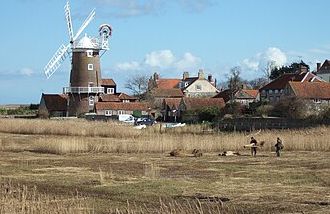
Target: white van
(127,118)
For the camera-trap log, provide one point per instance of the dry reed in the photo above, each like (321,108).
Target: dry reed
(16,198)
(60,137)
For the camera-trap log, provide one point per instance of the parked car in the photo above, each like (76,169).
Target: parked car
(144,121)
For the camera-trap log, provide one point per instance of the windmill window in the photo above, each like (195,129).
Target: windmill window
(89,53)
(91,101)
(90,67)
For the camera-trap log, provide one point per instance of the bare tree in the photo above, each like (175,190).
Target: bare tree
(138,85)
(234,81)
(268,69)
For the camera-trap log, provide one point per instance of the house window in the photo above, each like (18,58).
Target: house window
(108,113)
(125,101)
(91,100)
(110,90)
(186,84)
(90,67)
(120,112)
(198,87)
(317,101)
(89,53)
(276,91)
(270,91)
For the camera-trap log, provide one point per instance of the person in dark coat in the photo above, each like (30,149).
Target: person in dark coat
(278,147)
(253,143)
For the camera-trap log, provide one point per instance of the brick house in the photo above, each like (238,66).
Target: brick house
(118,108)
(317,93)
(323,70)
(190,86)
(198,86)
(275,89)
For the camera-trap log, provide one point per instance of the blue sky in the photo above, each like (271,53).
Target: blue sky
(164,36)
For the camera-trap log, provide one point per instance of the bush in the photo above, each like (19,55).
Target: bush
(264,110)
(291,107)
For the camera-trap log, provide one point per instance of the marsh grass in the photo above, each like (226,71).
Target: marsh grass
(15,198)
(62,137)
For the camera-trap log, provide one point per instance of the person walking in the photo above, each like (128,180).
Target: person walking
(278,147)
(253,143)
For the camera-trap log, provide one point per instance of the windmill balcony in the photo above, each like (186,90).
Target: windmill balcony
(83,90)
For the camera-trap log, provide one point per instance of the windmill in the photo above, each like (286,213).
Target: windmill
(85,76)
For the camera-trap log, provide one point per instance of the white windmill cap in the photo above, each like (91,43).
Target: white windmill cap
(85,42)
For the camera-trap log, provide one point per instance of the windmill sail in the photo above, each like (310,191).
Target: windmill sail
(56,61)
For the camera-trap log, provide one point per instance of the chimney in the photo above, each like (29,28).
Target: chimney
(318,66)
(209,78)
(201,74)
(185,75)
(156,76)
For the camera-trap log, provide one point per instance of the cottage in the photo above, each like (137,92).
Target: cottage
(170,109)
(188,106)
(53,105)
(243,96)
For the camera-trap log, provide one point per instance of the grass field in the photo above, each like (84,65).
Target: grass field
(129,171)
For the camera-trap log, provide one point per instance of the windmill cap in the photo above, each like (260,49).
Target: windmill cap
(85,42)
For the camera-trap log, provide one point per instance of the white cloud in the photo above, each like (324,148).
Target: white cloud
(162,59)
(260,60)
(26,72)
(196,5)
(132,8)
(188,62)
(128,66)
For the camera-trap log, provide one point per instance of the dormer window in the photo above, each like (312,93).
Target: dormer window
(186,84)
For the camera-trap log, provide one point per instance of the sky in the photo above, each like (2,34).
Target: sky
(163,36)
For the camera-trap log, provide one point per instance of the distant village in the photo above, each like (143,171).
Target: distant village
(193,95)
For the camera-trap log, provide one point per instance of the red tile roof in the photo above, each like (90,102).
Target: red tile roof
(109,98)
(124,96)
(252,93)
(197,103)
(55,102)
(168,83)
(173,103)
(108,82)
(173,92)
(311,90)
(118,97)
(283,80)
(122,106)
